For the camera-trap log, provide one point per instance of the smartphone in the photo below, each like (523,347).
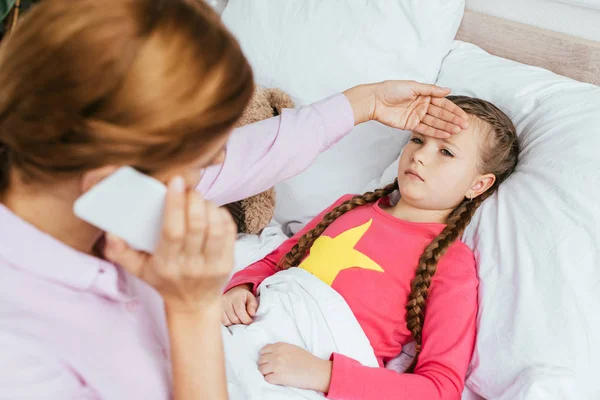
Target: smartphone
(129,205)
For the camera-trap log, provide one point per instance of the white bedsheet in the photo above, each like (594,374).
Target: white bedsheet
(297,308)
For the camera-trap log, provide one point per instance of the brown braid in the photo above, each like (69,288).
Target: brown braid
(417,299)
(499,157)
(297,253)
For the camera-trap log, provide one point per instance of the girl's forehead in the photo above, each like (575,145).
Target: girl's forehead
(472,137)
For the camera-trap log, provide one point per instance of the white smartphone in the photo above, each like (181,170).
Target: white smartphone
(127,204)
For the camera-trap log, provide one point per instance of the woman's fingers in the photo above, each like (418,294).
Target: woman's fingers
(229,238)
(419,112)
(196,224)
(425,89)
(174,220)
(443,118)
(446,110)
(440,124)
(220,240)
(118,252)
(214,229)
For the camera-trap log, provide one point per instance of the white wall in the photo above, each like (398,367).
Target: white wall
(579,18)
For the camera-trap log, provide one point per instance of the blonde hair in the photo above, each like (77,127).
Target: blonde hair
(87,83)
(499,157)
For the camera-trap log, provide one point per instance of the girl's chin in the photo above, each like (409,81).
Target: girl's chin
(410,193)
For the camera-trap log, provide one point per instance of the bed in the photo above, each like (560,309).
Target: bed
(536,244)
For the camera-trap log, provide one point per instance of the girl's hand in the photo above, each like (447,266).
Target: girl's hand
(288,365)
(194,257)
(408,105)
(239,306)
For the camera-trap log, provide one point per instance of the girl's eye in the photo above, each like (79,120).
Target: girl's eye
(416,140)
(447,153)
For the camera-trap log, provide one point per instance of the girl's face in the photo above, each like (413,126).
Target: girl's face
(437,174)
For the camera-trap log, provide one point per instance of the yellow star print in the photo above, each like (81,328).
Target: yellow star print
(329,256)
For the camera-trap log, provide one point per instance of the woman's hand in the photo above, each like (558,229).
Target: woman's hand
(194,257)
(408,105)
(189,268)
(288,365)
(239,306)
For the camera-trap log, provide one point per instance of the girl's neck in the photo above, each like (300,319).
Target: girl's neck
(408,212)
(51,211)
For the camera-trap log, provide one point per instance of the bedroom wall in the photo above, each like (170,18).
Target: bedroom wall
(579,18)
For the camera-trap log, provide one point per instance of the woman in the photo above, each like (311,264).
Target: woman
(90,86)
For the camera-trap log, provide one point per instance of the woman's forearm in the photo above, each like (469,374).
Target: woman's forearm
(265,153)
(197,354)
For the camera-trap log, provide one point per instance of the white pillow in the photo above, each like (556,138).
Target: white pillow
(313,48)
(536,240)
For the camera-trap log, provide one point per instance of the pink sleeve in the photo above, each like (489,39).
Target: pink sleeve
(448,340)
(265,153)
(260,270)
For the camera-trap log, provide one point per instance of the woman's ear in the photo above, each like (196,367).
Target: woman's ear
(483,183)
(92,177)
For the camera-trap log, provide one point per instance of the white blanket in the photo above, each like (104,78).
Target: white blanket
(251,248)
(297,308)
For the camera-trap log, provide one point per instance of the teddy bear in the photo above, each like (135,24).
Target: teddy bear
(252,214)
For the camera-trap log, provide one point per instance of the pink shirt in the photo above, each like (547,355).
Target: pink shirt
(75,327)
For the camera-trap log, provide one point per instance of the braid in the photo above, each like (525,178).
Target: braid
(417,299)
(297,253)
(498,157)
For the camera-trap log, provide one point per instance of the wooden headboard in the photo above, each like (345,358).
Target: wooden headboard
(560,53)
